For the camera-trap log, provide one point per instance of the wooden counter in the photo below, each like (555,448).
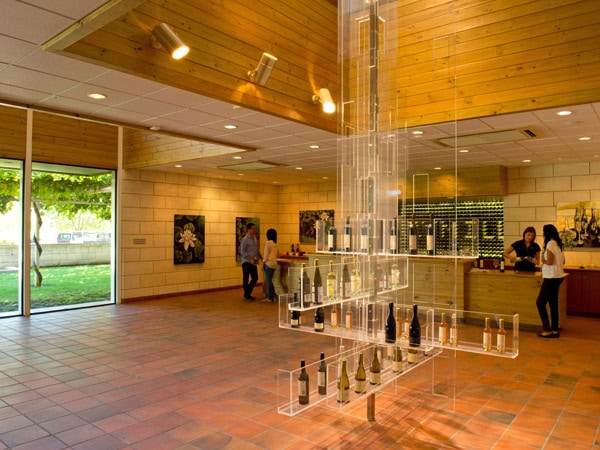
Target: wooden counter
(285,264)
(583,291)
(510,293)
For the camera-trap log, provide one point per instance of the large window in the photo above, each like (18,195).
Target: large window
(71,237)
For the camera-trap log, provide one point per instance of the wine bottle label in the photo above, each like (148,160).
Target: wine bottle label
(412,356)
(393,244)
(501,344)
(412,242)
(397,366)
(355,281)
(429,244)
(343,394)
(374,377)
(487,341)
(364,242)
(453,337)
(321,379)
(302,388)
(346,241)
(334,319)
(331,289)
(360,386)
(349,320)
(330,242)
(347,289)
(443,336)
(319,326)
(406,329)
(295,323)
(395,277)
(318,294)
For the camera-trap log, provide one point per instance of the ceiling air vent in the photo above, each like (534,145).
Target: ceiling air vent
(491,137)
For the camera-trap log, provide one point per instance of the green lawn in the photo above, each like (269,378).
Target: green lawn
(68,285)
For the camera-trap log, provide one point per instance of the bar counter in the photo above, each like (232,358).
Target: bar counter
(509,293)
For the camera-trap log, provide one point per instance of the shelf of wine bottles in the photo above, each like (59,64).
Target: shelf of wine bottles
(352,374)
(455,232)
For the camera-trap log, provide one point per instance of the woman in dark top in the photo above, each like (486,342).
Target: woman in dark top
(525,254)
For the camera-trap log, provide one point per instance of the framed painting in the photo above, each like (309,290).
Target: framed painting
(240,232)
(578,224)
(188,234)
(308,222)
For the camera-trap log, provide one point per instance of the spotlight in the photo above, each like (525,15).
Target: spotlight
(261,74)
(324,98)
(164,37)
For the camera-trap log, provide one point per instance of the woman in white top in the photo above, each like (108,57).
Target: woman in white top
(553,274)
(271,254)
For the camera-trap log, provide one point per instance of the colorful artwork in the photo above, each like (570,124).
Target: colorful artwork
(240,232)
(188,239)
(579,224)
(308,222)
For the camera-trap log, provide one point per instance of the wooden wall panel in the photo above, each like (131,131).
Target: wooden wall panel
(13,123)
(63,140)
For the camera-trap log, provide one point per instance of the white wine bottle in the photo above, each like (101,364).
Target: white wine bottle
(397,360)
(322,376)
(398,323)
(443,330)
(355,278)
(395,275)
(454,332)
(501,337)
(335,317)
(331,281)
(343,384)
(375,369)
(349,319)
(360,379)
(303,389)
(407,324)
(487,336)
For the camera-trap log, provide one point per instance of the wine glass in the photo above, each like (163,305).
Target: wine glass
(496,264)
(577,221)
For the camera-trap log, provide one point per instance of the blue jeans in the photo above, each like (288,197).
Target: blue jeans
(250,278)
(271,295)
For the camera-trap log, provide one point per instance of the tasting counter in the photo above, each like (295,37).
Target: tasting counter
(287,263)
(583,291)
(510,292)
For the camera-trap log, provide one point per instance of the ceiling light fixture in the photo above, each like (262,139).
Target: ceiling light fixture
(97,96)
(163,36)
(230,126)
(564,113)
(585,138)
(261,74)
(325,99)
(314,146)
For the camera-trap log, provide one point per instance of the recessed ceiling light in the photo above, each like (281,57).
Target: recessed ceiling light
(417,132)
(178,165)
(564,113)
(437,168)
(237,157)
(314,146)
(154,128)
(326,178)
(526,161)
(464,150)
(231,127)
(585,138)
(298,168)
(97,96)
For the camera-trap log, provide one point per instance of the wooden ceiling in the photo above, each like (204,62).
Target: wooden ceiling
(227,39)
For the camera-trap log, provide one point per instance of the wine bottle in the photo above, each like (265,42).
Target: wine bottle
(390,326)
(414,332)
(412,236)
(306,293)
(443,330)
(487,336)
(349,318)
(398,323)
(317,284)
(319,319)
(322,376)
(332,238)
(360,379)
(501,337)
(387,276)
(454,332)
(335,317)
(502,265)
(375,369)
(430,239)
(364,237)
(331,281)
(343,384)
(303,385)
(395,275)
(355,278)
(347,236)
(295,320)
(393,237)
(412,355)
(407,324)
(397,360)
(346,282)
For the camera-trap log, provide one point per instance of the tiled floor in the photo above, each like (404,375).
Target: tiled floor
(200,372)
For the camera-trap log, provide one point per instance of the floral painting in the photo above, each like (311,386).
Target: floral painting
(240,232)
(308,223)
(188,239)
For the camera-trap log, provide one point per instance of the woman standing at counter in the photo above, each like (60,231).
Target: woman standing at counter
(527,252)
(271,254)
(553,274)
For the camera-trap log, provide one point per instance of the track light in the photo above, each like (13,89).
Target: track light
(324,98)
(164,37)
(261,74)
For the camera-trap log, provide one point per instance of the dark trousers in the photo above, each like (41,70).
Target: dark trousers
(249,272)
(549,295)
(269,282)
